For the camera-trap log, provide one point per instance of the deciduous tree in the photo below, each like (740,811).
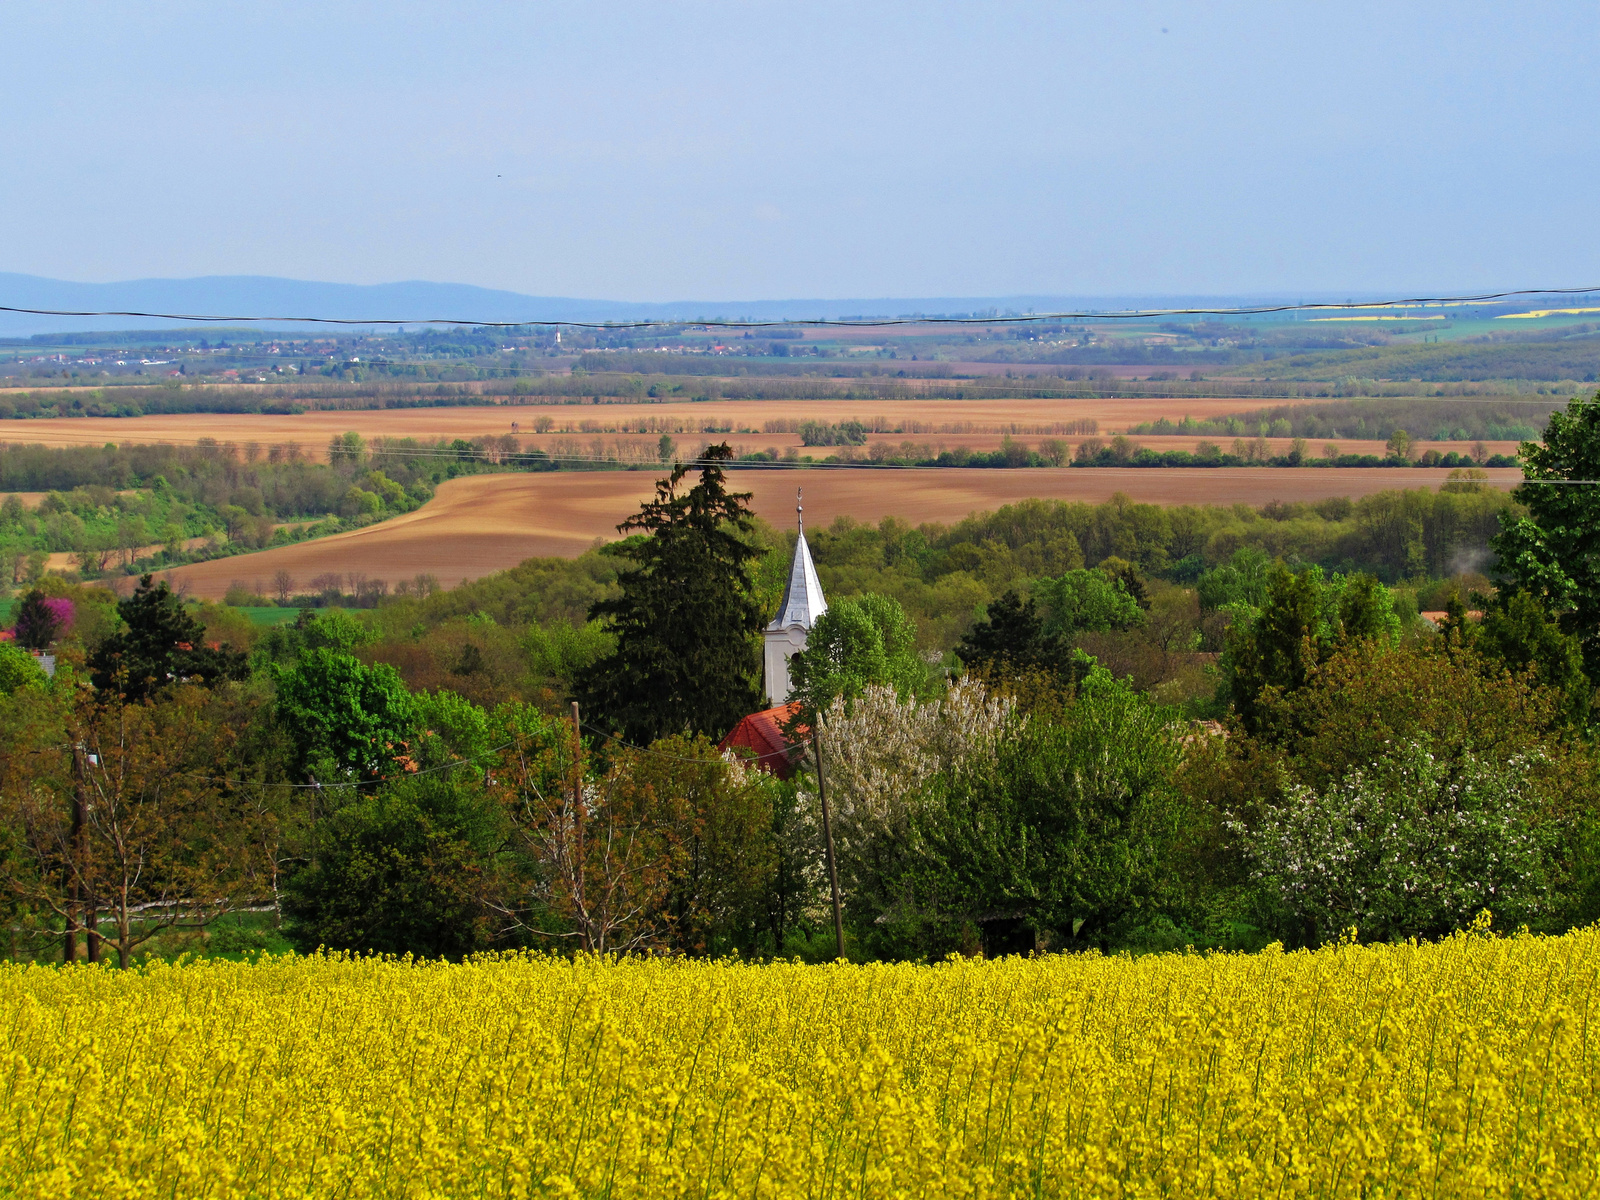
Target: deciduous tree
(597,862)
(1414,845)
(124,824)
(408,867)
(18,668)
(346,719)
(858,642)
(1066,832)
(1090,600)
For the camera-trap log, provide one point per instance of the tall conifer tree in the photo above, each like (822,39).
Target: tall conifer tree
(163,643)
(686,618)
(1553,551)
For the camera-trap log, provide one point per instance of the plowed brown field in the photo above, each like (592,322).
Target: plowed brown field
(485,523)
(312,430)
(599,429)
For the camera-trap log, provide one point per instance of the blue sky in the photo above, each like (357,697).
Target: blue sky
(661,151)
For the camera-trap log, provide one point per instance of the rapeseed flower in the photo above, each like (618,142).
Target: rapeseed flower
(1462,1068)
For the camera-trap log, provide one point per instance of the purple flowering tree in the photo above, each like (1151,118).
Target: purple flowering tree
(40,619)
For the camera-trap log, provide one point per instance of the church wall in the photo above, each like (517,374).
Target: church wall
(781,645)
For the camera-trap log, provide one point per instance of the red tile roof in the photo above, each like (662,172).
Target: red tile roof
(761,734)
(1436,618)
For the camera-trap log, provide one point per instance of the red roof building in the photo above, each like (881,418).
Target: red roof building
(761,734)
(1437,618)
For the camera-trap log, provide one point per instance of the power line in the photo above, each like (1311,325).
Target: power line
(679,757)
(847,323)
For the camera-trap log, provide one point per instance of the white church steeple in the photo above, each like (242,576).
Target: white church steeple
(802,605)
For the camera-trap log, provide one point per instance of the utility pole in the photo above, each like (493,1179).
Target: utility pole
(80,819)
(827,838)
(74,866)
(577,827)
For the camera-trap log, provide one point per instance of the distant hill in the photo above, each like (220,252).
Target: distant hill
(416,302)
(265,296)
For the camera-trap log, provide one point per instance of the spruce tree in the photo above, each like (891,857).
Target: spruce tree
(37,621)
(686,619)
(162,644)
(1011,639)
(1552,551)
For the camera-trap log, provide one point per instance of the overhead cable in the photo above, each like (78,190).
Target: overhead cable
(839,322)
(785,749)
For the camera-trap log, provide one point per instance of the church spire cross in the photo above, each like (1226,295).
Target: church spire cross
(800,509)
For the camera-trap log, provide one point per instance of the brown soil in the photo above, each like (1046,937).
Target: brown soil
(982,425)
(312,430)
(485,523)
(631,447)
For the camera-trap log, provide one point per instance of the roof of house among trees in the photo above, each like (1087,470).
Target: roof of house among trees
(761,733)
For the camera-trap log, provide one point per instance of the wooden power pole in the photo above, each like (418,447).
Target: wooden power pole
(827,838)
(578,861)
(80,850)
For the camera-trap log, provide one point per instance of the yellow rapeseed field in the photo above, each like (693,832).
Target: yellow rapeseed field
(1466,1068)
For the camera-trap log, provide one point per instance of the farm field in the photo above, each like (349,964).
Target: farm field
(63,560)
(1449,1069)
(312,430)
(483,523)
(633,446)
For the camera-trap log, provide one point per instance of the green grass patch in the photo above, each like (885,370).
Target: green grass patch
(270,616)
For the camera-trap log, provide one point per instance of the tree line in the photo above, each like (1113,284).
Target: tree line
(1021,792)
(524,633)
(143,507)
(1502,418)
(134,508)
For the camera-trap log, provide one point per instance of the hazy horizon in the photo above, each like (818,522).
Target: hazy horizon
(756,150)
(416,301)
(1283,294)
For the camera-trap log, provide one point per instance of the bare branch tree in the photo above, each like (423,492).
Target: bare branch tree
(600,867)
(128,823)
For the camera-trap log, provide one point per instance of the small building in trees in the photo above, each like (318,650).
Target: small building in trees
(802,604)
(761,736)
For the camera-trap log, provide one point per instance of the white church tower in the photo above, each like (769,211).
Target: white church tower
(802,605)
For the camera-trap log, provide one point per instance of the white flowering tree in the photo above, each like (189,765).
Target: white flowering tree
(879,754)
(1414,845)
(956,815)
